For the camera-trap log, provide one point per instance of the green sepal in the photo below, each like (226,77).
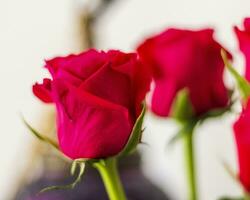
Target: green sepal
(81,160)
(242,83)
(135,137)
(38,135)
(100,162)
(184,116)
(72,185)
(186,128)
(231,173)
(217,112)
(235,177)
(182,109)
(73,167)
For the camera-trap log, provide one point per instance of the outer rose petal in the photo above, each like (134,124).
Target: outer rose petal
(207,90)
(247,24)
(242,136)
(43,91)
(244,44)
(142,80)
(76,66)
(89,127)
(163,96)
(186,59)
(205,99)
(138,75)
(161,56)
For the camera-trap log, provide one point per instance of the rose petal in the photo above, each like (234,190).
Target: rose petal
(242,137)
(43,91)
(89,127)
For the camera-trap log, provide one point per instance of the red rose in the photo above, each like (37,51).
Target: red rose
(241,126)
(185,59)
(242,137)
(244,43)
(98,98)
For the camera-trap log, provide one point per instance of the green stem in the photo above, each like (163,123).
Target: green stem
(109,173)
(190,164)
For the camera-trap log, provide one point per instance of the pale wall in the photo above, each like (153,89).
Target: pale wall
(34,30)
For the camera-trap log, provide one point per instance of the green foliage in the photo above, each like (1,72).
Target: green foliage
(38,135)
(190,123)
(73,167)
(231,173)
(182,109)
(135,136)
(217,112)
(134,140)
(186,128)
(72,185)
(242,83)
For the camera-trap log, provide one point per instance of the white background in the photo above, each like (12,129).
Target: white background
(32,30)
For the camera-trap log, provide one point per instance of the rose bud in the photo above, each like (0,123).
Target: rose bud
(242,138)
(244,44)
(185,59)
(98,98)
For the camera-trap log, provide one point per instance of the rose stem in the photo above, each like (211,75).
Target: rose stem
(190,162)
(109,173)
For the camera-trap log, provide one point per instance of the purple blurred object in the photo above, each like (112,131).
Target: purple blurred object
(137,186)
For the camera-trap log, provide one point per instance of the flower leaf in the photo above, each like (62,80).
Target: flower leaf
(76,162)
(135,136)
(231,173)
(217,112)
(186,128)
(69,186)
(39,135)
(242,83)
(73,167)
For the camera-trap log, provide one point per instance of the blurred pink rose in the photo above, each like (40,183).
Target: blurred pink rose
(185,59)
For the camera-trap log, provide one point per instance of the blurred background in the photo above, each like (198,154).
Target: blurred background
(33,30)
